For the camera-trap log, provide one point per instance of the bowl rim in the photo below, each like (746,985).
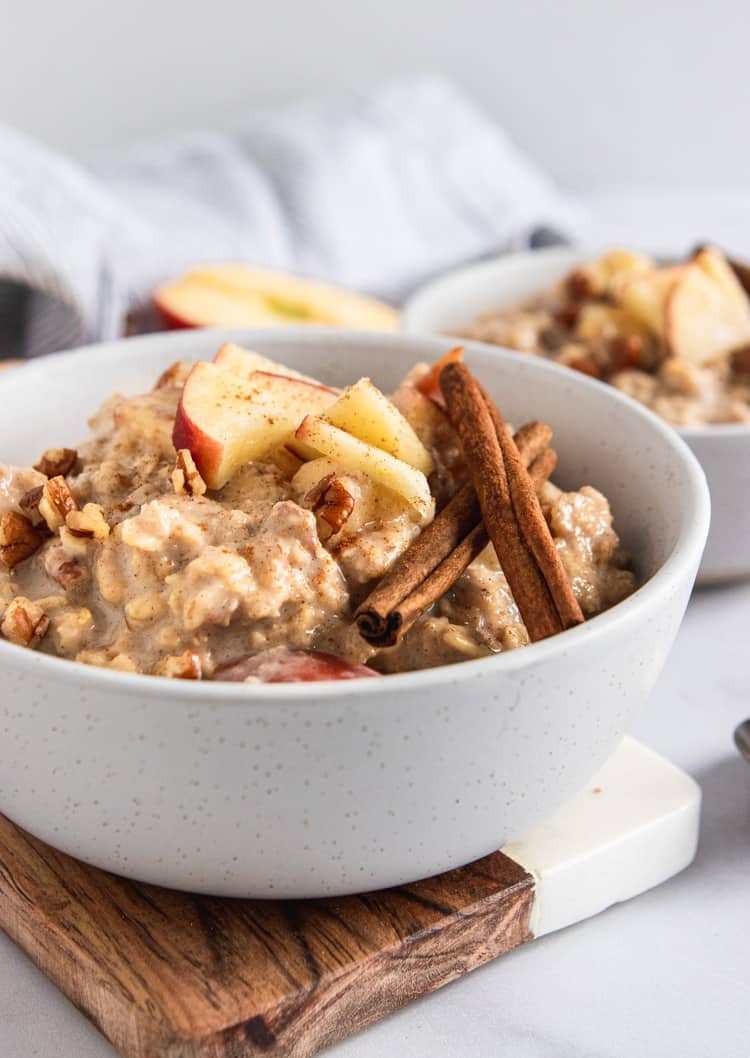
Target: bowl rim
(679,564)
(508,262)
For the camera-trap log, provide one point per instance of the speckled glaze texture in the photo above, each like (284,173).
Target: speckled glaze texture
(723,451)
(305,790)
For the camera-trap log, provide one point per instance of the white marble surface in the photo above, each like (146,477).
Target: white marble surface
(667,974)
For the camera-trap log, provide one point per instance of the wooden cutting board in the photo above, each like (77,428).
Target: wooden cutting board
(171,975)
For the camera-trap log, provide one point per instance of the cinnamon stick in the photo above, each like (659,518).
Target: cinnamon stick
(474,424)
(438,557)
(532,522)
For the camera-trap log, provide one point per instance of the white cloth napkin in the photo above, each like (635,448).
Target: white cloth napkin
(375,192)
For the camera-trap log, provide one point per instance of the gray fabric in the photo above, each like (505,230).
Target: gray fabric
(376,192)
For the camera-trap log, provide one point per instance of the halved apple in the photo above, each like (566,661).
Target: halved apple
(707,312)
(244,362)
(227,421)
(236,295)
(381,466)
(363,411)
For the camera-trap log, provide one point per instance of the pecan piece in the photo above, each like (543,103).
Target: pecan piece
(57,461)
(24,622)
(586,365)
(579,285)
(18,539)
(63,569)
(186,478)
(57,502)
(29,504)
(89,523)
(740,361)
(332,502)
(625,351)
(185,666)
(567,315)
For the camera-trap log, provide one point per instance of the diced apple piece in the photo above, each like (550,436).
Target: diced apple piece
(227,421)
(301,450)
(244,362)
(381,466)
(286,461)
(708,313)
(309,474)
(281,665)
(236,295)
(363,411)
(599,320)
(602,276)
(719,269)
(645,296)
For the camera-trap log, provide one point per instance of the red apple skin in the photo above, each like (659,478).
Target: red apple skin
(169,321)
(206,451)
(281,665)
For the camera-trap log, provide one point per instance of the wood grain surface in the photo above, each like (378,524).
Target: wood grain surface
(170,975)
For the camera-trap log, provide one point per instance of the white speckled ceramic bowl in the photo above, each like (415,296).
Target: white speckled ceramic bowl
(311,789)
(456,298)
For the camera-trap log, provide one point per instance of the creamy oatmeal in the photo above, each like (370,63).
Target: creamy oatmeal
(229,523)
(676,338)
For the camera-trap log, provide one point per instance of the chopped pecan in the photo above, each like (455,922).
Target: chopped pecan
(185,666)
(567,315)
(57,502)
(89,523)
(331,502)
(29,502)
(61,567)
(186,478)
(586,365)
(740,360)
(24,622)
(18,539)
(57,461)
(579,284)
(624,351)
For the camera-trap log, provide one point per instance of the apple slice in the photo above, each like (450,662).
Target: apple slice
(645,296)
(363,411)
(602,276)
(707,312)
(310,474)
(381,466)
(235,295)
(716,265)
(227,421)
(285,460)
(282,665)
(244,362)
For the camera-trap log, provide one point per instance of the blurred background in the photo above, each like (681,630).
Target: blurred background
(159,136)
(602,94)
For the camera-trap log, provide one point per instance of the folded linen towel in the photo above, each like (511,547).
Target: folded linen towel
(375,192)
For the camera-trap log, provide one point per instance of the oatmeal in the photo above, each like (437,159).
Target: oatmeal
(234,522)
(676,338)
